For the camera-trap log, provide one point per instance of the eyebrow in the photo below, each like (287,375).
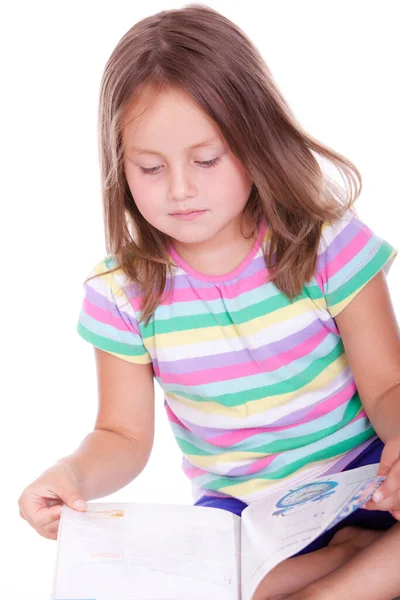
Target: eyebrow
(207,142)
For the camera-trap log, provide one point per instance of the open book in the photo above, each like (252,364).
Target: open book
(137,551)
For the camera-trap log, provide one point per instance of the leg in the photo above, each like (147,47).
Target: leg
(372,574)
(296,572)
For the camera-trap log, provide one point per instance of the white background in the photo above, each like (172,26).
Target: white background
(335,62)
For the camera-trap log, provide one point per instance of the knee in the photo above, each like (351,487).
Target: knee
(344,536)
(261,594)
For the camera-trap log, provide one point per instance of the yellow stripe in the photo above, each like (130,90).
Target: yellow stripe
(256,485)
(258,406)
(320,303)
(144,359)
(109,279)
(210,334)
(237,456)
(335,309)
(209,461)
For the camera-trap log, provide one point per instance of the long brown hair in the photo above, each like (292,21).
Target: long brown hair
(198,50)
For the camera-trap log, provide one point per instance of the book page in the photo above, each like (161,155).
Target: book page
(283,523)
(133,551)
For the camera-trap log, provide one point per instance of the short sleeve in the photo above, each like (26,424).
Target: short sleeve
(349,256)
(107,318)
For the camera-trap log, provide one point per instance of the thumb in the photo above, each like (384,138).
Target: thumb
(389,457)
(79,504)
(71,496)
(73,499)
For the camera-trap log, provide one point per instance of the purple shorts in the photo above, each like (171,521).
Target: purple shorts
(370,519)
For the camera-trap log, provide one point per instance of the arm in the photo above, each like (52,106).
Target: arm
(119,448)
(371,339)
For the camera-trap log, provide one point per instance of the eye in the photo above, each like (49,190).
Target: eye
(205,164)
(149,171)
(210,163)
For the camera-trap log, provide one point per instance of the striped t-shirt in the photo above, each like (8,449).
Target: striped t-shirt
(258,390)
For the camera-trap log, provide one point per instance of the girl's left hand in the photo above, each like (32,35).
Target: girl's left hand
(387,496)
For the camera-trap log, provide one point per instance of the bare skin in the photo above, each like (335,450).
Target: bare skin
(371,574)
(295,573)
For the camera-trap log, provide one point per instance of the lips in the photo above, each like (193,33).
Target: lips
(188,215)
(187,212)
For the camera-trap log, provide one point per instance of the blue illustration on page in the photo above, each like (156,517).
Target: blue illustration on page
(363,495)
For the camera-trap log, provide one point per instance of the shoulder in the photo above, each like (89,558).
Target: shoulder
(107,279)
(108,271)
(350,253)
(347,242)
(340,231)
(108,317)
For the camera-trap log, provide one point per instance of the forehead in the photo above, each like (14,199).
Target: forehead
(167,116)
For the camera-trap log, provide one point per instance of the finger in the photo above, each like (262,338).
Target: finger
(371,505)
(21,514)
(389,503)
(390,454)
(53,530)
(50,531)
(390,486)
(46,516)
(52,502)
(396,514)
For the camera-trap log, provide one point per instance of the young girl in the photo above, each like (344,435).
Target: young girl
(239,275)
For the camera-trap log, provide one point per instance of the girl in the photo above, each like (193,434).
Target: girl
(240,277)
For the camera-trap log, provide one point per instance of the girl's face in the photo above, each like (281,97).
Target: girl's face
(175,160)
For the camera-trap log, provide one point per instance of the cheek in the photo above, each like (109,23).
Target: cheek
(147,202)
(145,195)
(233,186)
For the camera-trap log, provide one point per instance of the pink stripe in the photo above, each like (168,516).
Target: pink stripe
(264,462)
(104,316)
(235,437)
(193,472)
(174,419)
(330,404)
(361,415)
(246,369)
(343,257)
(212,293)
(320,278)
(260,464)
(219,278)
(190,294)
(349,252)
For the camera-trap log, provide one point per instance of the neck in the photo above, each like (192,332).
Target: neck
(222,254)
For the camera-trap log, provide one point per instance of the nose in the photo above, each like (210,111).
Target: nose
(181,184)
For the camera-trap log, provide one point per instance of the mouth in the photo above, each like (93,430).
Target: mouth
(187,212)
(188,215)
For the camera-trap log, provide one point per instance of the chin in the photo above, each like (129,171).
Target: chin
(186,235)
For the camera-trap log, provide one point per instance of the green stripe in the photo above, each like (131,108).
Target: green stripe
(188,448)
(282,445)
(352,409)
(283,387)
(362,277)
(331,452)
(223,319)
(110,345)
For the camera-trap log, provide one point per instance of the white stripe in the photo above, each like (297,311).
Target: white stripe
(267,335)
(264,418)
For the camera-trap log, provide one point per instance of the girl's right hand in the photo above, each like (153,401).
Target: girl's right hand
(40,503)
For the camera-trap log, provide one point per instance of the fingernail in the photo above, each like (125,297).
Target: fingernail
(377,496)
